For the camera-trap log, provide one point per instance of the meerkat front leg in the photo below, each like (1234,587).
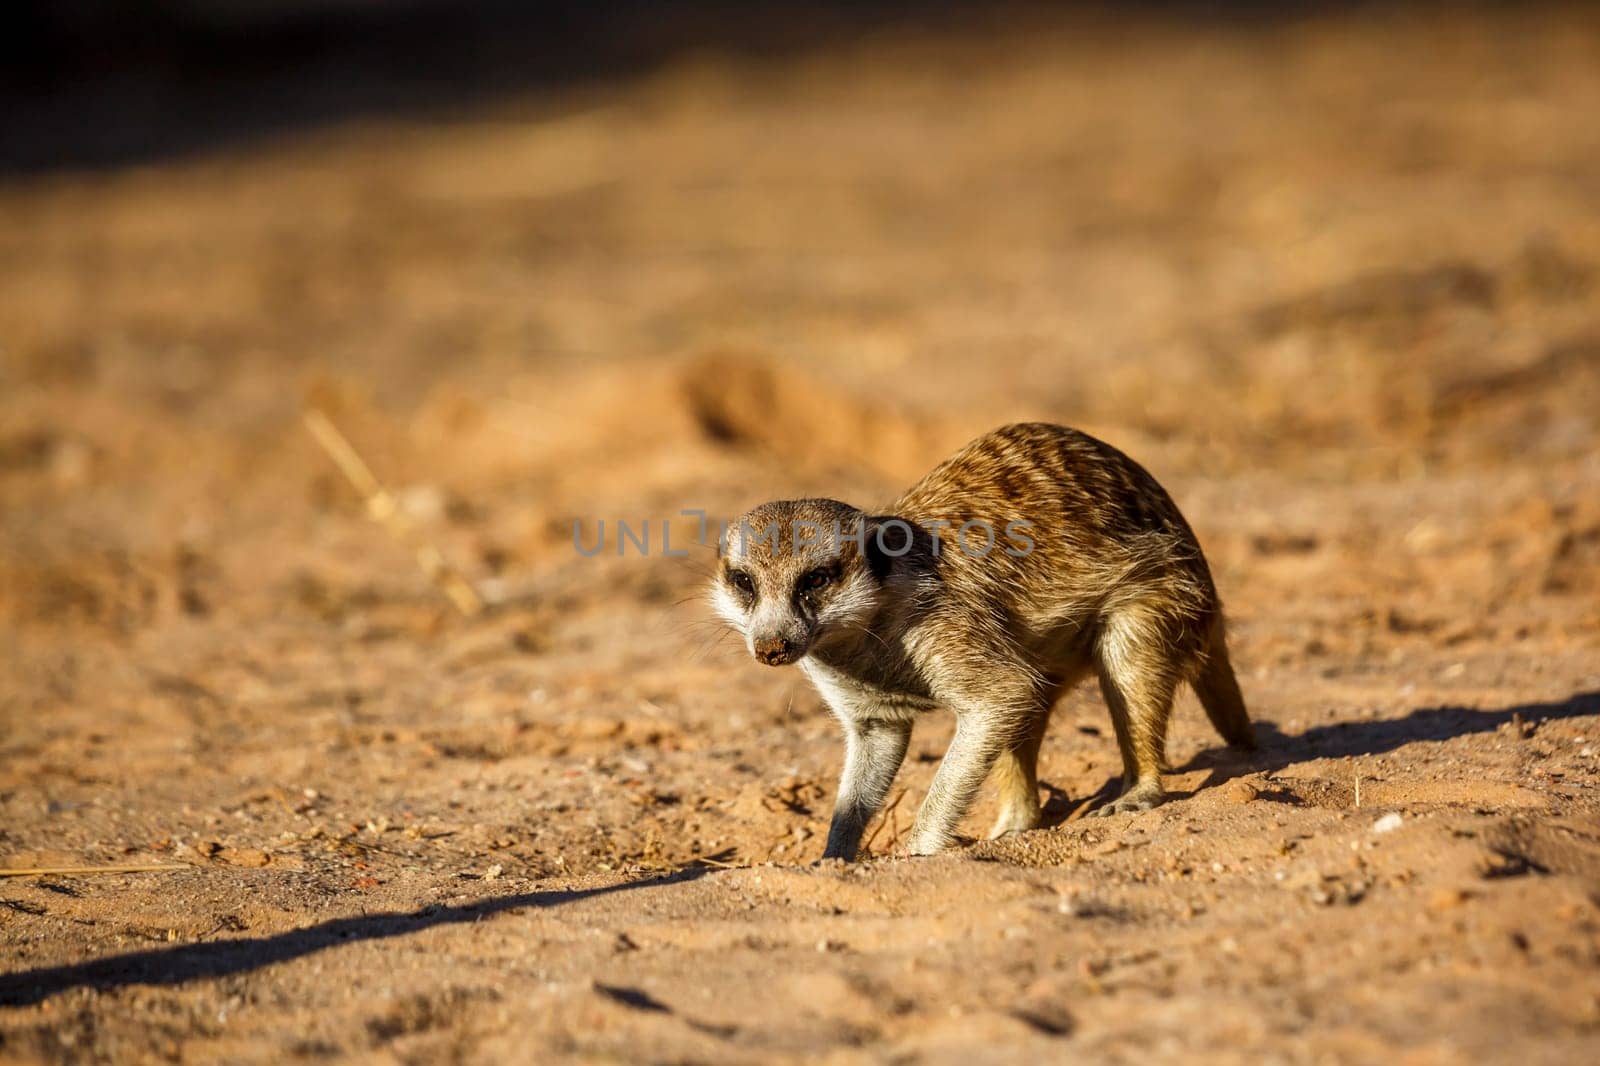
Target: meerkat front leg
(874,750)
(982,733)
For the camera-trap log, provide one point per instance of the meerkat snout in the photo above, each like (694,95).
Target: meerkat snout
(775,651)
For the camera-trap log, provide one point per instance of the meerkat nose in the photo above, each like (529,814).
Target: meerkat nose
(774,651)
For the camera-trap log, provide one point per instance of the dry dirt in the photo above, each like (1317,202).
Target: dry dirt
(1335,281)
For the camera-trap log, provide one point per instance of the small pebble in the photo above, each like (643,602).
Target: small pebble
(1240,791)
(1388,823)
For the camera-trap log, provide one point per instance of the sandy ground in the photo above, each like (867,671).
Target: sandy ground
(1334,281)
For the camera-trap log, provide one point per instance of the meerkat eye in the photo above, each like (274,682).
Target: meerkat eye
(815,580)
(741,581)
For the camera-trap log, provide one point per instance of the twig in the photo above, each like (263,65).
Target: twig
(883,819)
(44,871)
(384,510)
(1081,809)
(719,864)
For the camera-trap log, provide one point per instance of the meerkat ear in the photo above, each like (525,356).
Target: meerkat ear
(884,539)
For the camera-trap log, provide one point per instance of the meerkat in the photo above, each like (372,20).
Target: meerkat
(1032,558)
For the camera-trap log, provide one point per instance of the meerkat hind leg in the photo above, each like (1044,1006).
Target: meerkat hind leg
(1016,775)
(1016,772)
(1139,684)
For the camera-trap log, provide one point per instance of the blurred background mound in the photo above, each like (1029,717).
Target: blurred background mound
(1331,272)
(788,419)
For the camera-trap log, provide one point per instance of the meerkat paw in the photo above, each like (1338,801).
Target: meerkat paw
(1015,820)
(1138,798)
(926,844)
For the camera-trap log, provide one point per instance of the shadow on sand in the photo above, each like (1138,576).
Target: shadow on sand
(223,958)
(110,83)
(171,966)
(1338,740)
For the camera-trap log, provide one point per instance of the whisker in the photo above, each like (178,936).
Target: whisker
(857,627)
(714,651)
(703,623)
(716,642)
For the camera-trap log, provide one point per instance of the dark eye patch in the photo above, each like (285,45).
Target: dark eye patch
(742,582)
(816,579)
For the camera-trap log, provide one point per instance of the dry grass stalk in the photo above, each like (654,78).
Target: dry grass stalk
(1081,809)
(385,510)
(883,820)
(80,871)
(720,865)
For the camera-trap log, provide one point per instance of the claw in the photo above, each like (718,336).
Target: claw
(1132,803)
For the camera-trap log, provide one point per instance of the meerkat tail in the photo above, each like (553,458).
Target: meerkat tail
(1219,694)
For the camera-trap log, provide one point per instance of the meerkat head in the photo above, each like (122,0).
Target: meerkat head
(795,574)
